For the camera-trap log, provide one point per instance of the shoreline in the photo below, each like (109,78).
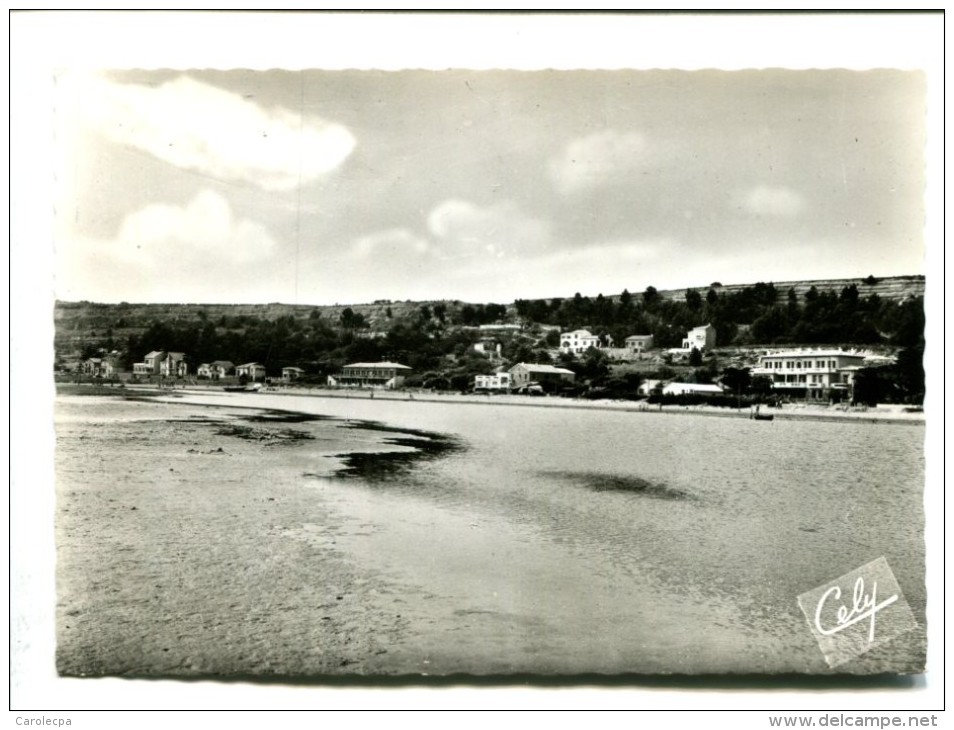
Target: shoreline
(886,414)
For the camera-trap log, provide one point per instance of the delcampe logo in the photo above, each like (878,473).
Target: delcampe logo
(857,612)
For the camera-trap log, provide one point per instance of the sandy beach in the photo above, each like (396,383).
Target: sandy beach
(883,413)
(210,534)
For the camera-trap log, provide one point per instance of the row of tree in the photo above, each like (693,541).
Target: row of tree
(752,315)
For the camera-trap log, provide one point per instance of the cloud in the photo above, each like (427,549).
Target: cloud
(598,159)
(196,252)
(204,230)
(199,127)
(462,228)
(396,241)
(779,202)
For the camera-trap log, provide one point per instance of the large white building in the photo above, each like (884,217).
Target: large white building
(578,341)
(810,373)
(371,375)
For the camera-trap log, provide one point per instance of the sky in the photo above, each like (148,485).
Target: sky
(349,186)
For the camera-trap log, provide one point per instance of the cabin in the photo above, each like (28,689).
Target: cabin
(215,370)
(291,374)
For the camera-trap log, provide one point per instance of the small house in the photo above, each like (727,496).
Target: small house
(251,371)
(291,374)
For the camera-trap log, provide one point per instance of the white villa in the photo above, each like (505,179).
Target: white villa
(578,341)
(700,338)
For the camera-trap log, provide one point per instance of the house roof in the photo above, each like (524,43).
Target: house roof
(535,368)
(581,333)
(292,367)
(252,365)
(814,353)
(155,353)
(379,365)
(223,363)
(637,337)
(696,387)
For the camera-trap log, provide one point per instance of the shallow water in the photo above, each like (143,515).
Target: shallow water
(577,541)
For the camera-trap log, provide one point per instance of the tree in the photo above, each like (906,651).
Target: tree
(650,297)
(910,369)
(737,380)
(868,387)
(695,357)
(693,300)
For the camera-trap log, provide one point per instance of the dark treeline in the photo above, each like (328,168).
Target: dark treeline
(748,316)
(422,339)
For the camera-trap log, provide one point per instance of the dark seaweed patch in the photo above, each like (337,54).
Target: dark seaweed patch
(273,416)
(621,483)
(269,436)
(390,465)
(380,427)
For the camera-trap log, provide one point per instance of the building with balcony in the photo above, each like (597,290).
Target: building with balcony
(812,374)
(371,375)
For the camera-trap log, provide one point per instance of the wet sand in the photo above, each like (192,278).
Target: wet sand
(213,541)
(174,549)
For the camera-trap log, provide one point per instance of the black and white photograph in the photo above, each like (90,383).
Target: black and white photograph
(455,374)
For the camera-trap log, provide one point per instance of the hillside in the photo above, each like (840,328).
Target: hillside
(892,289)
(81,325)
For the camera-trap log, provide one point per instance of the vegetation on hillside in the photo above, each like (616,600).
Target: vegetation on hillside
(436,339)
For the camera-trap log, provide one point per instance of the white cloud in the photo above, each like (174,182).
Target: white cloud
(204,230)
(766,200)
(598,159)
(199,127)
(395,241)
(465,229)
(198,252)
